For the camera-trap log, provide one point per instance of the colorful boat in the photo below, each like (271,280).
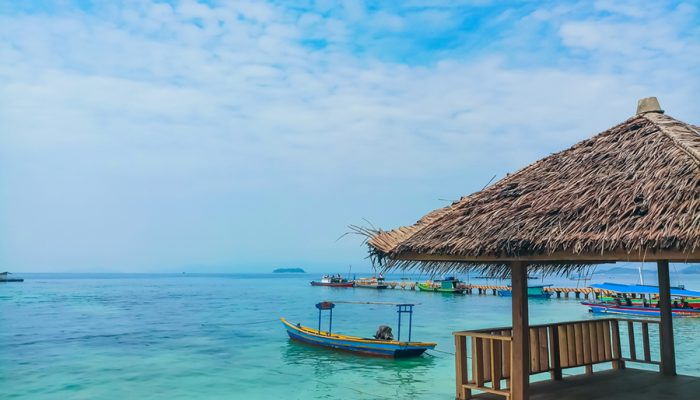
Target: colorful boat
(364,346)
(533,291)
(642,300)
(371,283)
(333,281)
(447,285)
(606,308)
(692,302)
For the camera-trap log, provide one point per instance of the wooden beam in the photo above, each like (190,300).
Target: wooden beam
(520,346)
(560,257)
(668,352)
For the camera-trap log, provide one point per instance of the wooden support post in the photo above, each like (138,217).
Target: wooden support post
(520,367)
(630,335)
(461,367)
(616,351)
(554,355)
(668,352)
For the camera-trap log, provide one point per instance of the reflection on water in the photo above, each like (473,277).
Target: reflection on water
(398,377)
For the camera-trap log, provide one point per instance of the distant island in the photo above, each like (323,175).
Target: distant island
(619,270)
(693,269)
(289,270)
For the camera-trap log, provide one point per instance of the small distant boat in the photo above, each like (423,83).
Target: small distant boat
(447,285)
(379,346)
(533,291)
(371,283)
(5,277)
(333,281)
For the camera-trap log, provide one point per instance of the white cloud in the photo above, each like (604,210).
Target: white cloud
(220,120)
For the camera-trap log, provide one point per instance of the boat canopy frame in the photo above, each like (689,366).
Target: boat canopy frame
(401,308)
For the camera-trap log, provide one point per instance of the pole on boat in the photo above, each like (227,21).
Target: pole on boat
(398,336)
(405,308)
(325,305)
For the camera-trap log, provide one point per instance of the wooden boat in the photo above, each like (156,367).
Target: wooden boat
(355,344)
(333,281)
(642,300)
(533,291)
(371,283)
(606,308)
(638,302)
(5,277)
(447,285)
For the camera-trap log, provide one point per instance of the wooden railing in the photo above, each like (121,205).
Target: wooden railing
(553,347)
(646,346)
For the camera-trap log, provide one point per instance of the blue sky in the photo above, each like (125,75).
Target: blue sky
(242,136)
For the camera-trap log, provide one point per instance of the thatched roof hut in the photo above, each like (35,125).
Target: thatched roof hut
(630,193)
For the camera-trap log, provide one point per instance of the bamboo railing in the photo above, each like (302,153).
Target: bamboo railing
(553,347)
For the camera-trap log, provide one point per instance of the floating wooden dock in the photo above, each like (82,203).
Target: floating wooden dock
(560,292)
(401,285)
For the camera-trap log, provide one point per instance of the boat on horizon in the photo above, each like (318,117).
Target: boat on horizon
(333,281)
(382,345)
(5,277)
(448,285)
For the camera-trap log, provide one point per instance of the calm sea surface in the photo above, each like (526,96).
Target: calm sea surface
(219,336)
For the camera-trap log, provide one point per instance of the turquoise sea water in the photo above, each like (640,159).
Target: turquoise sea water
(219,337)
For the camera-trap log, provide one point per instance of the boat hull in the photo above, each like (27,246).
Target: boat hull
(354,344)
(12,280)
(425,288)
(360,285)
(344,284)
(599,308)
(508,293)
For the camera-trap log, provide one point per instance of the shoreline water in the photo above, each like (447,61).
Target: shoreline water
(218,336)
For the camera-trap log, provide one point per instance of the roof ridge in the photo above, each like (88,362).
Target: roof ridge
(663,128)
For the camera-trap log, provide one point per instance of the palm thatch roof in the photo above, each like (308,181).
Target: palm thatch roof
(631,193)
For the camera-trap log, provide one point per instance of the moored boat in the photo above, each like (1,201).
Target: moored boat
(447,285)
(642,300)
(333,281)
(382,345)
(606,308)
(371,283)
(533,291)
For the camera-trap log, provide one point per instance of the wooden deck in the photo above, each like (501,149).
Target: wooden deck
(632,384)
